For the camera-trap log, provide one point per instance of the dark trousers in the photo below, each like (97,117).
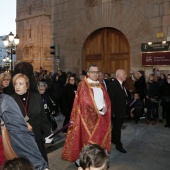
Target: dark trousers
(116,131)
(41,147)
(151,112)
(66,121)
(137,115)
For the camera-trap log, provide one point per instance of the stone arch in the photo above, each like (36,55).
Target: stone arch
(132,23)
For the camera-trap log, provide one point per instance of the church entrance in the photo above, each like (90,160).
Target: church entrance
(109,49)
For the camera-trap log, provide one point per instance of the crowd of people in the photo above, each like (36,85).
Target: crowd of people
(95,102)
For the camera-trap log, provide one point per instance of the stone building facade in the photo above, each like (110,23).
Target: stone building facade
(73,24)
(33,21)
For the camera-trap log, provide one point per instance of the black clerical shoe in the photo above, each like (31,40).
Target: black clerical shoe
(121,150)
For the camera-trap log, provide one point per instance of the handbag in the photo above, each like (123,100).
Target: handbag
(6,141)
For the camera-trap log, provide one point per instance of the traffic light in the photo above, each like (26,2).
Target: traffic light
(55,50)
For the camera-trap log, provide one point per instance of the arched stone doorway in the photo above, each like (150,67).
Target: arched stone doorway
(108,48)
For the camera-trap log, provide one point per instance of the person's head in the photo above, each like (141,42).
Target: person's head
(83,72)
(82,77)
(121,75)
(101,76)
(136,96)
(106,75)
(5,79)
(155,69)
(93,72)
(71,80)
(69,73)
(168,78)
(60,72)
(140,73)
(42,86)
(163,76)
(27,69)
(21,83)
(18,164)
(93,157)
(152,77)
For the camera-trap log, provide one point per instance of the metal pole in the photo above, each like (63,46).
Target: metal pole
(11,60)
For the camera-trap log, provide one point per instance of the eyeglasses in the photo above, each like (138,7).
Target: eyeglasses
(94,72)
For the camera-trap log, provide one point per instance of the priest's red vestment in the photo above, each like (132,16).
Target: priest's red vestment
(88,126)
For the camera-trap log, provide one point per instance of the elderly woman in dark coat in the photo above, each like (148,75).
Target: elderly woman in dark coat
(32,109)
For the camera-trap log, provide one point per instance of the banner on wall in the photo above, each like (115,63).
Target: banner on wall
(156,58)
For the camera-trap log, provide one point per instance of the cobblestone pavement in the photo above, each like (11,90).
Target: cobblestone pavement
(148,148)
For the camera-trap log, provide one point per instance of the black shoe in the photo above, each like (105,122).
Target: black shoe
(121,150)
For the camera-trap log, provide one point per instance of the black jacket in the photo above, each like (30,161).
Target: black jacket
(37,117)
(67,98)
(140,86)
(118,99)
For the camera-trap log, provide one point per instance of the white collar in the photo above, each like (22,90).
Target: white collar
(120,82)
(92,81)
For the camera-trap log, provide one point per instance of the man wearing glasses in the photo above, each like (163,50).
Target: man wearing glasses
(91,115)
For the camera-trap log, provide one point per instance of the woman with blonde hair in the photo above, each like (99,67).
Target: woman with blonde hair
(4,81)
(32,109)
(151,102)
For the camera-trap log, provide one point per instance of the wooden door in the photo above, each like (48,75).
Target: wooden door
(109,49)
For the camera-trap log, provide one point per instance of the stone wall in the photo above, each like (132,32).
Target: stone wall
(139,20)
(68,23)
(34,29)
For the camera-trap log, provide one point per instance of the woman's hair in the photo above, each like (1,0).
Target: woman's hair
(23,76)
(4,76)
(42,84)
(18,164)
(26,69)
(141,72)
(68,79)
(93,155)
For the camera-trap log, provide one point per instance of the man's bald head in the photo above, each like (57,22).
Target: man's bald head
(121,75)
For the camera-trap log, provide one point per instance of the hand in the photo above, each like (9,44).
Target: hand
(29,127)
(53,112)
(47,140)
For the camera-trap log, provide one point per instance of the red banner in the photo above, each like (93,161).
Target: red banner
(156,58)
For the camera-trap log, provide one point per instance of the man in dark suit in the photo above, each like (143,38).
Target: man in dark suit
(104,82)
(118,97)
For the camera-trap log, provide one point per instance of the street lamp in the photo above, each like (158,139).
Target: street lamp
(7,62)
(10,42)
